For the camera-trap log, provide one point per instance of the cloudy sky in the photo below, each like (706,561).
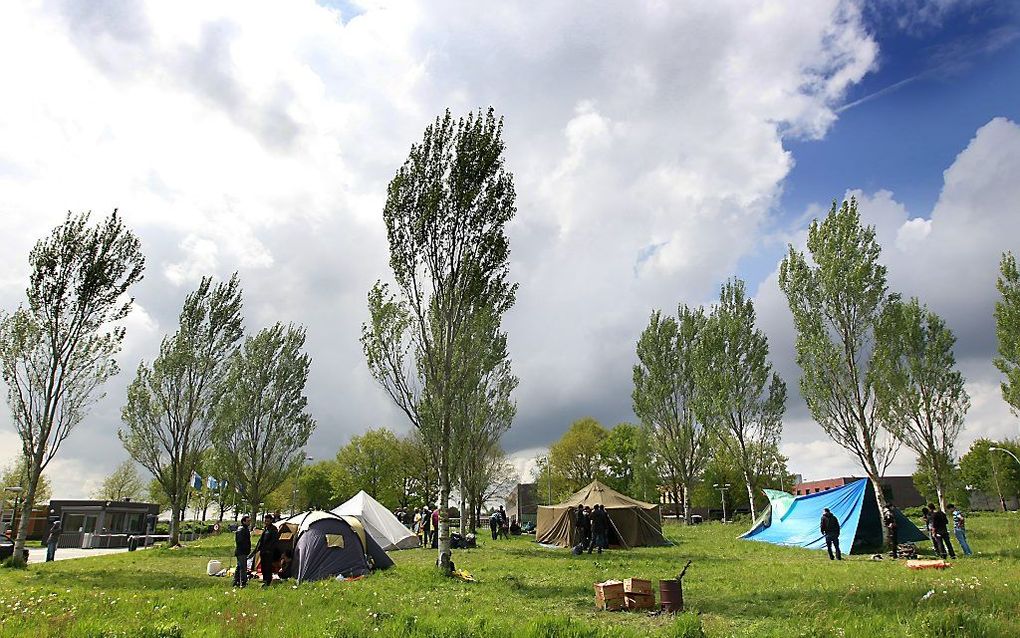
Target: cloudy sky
(658,148)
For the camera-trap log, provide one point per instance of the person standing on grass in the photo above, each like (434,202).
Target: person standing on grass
(582,521)
(494,524)
(266,550)
(53,539)
(599,528)
(426,526)
(242,548)
(830,530)
(960,529)
(889,518)
(940,532)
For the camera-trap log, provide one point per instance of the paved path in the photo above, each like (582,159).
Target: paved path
(38,554)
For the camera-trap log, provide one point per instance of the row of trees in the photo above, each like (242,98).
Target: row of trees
(206,389)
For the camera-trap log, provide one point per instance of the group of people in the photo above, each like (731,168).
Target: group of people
(424,522)
(592,524)
(936,523)
(271,558)
(499,525)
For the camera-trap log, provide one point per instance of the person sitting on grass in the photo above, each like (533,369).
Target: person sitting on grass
(940,532)
(960,529)
(830,530)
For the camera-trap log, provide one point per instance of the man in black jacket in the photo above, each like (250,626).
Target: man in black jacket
(940,532)
(266,549)
(242,548)
(599,528)
(830,530)
(582,521)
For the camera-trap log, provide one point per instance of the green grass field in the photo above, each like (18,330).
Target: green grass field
(733,588)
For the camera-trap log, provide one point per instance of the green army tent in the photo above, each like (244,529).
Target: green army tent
(633,523)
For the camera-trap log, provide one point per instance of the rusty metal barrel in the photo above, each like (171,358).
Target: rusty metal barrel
(671,596)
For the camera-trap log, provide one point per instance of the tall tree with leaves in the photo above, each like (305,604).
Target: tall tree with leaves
(1007,330)
(446,211)
(836,300)
(168,418)
(920,393)
(56,353)
(261,426)
(741,398)
(618,451)
(123,483)
(670,355)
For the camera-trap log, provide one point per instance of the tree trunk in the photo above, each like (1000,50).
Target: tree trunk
(175,525)
(445,555)
(940,494)
(880,497)
(750,494)
(686,496)
(26,510)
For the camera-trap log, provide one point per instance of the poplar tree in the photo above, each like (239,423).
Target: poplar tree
(836,300)
(169,414)
(58,351)
(446,212)
(261,423)
(919,391)
(740,396)
(664,398)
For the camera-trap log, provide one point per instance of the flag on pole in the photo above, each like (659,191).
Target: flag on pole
(211,483)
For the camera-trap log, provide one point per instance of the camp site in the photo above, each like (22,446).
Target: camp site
(460,319)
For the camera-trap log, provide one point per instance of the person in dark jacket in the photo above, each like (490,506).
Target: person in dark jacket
(940,532)
(582,521)
(266,550)
(599,528)
(242,549)
(889,519)
(52,539)
(494,524)
(830,530)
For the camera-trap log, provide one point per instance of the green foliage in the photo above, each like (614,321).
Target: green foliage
(577,455)
(618,451)
(950,486)
(370,462)
(836,300)
(990,471)
(14,561)
(315,486)
(57,353)
(123,483)
(1007,329)
(740,397)
(15,473)
(262,424)
(168,417)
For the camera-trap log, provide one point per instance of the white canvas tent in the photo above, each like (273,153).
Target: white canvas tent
(379,522)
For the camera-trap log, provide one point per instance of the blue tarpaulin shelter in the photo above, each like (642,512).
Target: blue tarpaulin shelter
(854,505)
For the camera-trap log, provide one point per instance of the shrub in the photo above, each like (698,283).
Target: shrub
(14,562)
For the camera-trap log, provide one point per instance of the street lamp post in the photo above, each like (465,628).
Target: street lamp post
(722,487)
(1002,449)
(297,481)
(14,507)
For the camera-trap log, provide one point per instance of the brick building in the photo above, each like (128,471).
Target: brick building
(898,490)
